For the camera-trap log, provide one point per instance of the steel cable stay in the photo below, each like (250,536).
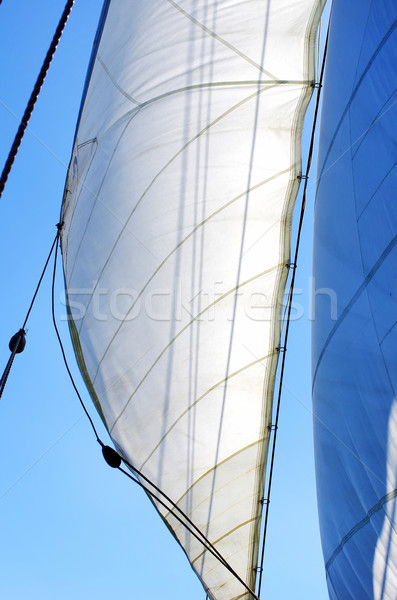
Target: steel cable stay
(283,345)
(114,460)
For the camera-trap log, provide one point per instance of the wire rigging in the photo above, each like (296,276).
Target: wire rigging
(34,95)
(274,427)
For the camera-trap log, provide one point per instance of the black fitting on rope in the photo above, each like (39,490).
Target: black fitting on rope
(110,455)
(290,265)
(18,342)
(59,226)
(16,346)
(272,427)
(280,349)
(303,177)
(264,501)
(315,85)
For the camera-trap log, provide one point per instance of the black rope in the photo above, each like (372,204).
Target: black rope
(17,342)
(176,507)
(61,345)
(42,275)
(35,93)
(7,370)
(210,548)
(204,541)
(274,427)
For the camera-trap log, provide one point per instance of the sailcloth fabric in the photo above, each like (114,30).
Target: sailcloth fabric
(177,219)
(355,332)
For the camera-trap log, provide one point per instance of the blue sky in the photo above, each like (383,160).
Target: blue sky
(69,525)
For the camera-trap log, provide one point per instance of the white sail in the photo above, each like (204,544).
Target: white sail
(177,218)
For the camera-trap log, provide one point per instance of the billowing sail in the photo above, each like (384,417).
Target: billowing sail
(355,332)
(177,219)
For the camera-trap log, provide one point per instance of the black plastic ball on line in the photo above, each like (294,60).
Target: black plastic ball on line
(112,458)
(20,335)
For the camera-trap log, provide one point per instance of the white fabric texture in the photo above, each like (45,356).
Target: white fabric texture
(177,212)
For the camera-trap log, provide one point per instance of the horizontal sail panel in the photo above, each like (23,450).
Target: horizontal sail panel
(354,332)
(177,211)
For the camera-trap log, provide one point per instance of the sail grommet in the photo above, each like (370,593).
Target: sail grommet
(19,341)
(112,458)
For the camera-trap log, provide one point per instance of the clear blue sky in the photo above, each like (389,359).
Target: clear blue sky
(69,525)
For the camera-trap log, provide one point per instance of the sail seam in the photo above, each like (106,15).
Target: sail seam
(221,538)
(378,506)
(221,40)
(207,85)
(222,462)
(199,86)
(199,226)
(183,330)
(97,197)
(114,82)
(156,177)
(371,306)
(354,93)
(377,117)
(353,300)
(185,412)
(387,333)
(377,190)
(231,333)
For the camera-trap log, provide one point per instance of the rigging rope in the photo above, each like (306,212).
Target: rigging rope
(61,345)
(210,548)
(34,95)
(283,348)
(17,343)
